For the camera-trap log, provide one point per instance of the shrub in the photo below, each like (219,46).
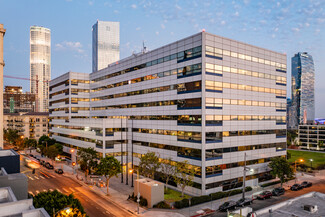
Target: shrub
(201,199)
(143,201)
(218,195)
(248,188)
(162,205)
(270,183)
(181,204)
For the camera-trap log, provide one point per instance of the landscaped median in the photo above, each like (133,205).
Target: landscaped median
(184,202)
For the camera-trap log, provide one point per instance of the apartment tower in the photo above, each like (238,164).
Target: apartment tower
(40,65)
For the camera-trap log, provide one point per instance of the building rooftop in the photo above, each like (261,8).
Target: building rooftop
(295,207)
(7,152)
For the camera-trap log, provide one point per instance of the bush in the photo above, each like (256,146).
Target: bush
(248,188)
(218,195)
(234,192)
(162,205)
(181,204)
(201,199)
(270,183)
(143,201)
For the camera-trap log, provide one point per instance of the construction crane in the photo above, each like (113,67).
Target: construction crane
(28,79)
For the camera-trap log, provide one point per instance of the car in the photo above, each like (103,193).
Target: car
(244,201)
(59,171)
(264,195)
(48,166)
(306,184)
(42,162)
(296,187)
(278,191)
(229,205)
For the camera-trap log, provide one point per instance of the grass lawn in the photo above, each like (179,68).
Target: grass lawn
(172,195)
(318,158)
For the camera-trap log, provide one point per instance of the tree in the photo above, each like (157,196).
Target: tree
(30,143)
(109,167)
(11,135)
(168,169)
(86,159)
(149,164)
(184,175)
(72,213)
(320,144)
(52,152)
(56,201)
(46,141)
(280,167)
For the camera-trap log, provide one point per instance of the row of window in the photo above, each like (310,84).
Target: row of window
(215,102)
(218,86)
(73,109)
(98,131)
(218,69)
(181,56)
(213,51)
(196,68)
(217,119)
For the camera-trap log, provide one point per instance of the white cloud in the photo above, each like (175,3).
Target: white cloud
(138,28)
(116,11)
(162,26)
(223,22)
(295,29)
(91,3)
(134,6)
(157,33)
(70,45)
(178,7)
(236,14)
(171,33)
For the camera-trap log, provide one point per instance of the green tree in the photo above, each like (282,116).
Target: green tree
(280,167)
(149,164)
(52,152)
(87,159)
(30,143)
(56,201)
(168,169)
(46,141)
(184,175)
(11,135)
(320,144)
(72,213)
(109,167)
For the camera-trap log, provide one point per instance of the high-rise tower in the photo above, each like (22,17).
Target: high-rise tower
(303,89)
(40,65)
(106,44)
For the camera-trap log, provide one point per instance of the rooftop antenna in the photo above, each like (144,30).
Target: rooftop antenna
(144,48)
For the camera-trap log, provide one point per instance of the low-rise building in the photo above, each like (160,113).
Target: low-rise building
(31,125)
(15,101)
(311,136)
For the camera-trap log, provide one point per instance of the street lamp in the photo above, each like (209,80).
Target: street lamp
(311,163)
(299,160)
(138,196)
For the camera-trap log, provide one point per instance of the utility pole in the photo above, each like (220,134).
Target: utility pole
(244,177)
(2,64)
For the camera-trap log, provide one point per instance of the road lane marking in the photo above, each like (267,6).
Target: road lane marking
(52,176)
(37,192)
(72,189)
(30,178)
(108,212)
(58,190)
(42,177)
(44,174)
(65,190)
(36,177)
(44,190)
(51,189)
(31,193)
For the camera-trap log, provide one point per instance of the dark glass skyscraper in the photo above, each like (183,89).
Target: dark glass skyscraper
(303,90)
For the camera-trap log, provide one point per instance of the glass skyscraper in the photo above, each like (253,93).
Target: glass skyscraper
(303,89)
(106,44)
(40,65)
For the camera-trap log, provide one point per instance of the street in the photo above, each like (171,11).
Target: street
(94,204)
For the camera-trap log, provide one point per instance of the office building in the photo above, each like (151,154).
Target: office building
(40,65)
(30,125)
(205,99)
(302,89)
(15,101)
(2,64)
(106,44)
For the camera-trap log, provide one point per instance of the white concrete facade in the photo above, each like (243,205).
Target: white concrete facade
(205,99)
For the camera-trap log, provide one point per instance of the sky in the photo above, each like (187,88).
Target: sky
(285,26)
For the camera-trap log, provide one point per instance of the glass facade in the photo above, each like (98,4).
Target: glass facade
(106,44)
(303,90)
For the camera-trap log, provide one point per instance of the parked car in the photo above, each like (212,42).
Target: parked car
(229,205)
(42,162)
(306,184)
(59,171)
(296,187)
(48,166)
(264,195)
(244,202)
(278,191)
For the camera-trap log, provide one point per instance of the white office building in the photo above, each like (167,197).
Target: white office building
(205,99)
(106,44)
(40,65)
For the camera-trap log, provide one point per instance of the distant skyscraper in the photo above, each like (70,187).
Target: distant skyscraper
(106,44)
(40,65)
(303,89)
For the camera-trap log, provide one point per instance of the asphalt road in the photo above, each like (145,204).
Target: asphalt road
(260,204)
(94,204)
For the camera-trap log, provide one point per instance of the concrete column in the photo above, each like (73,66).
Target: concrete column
(2,64)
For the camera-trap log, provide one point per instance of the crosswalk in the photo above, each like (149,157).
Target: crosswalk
(38,177)
(62,190)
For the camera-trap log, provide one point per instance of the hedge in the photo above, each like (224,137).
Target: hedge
(143,201)
(206,198)
(162,205)
(270,183)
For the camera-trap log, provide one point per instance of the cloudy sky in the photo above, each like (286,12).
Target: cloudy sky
(285,26)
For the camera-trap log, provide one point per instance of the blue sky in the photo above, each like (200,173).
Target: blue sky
(284,25)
